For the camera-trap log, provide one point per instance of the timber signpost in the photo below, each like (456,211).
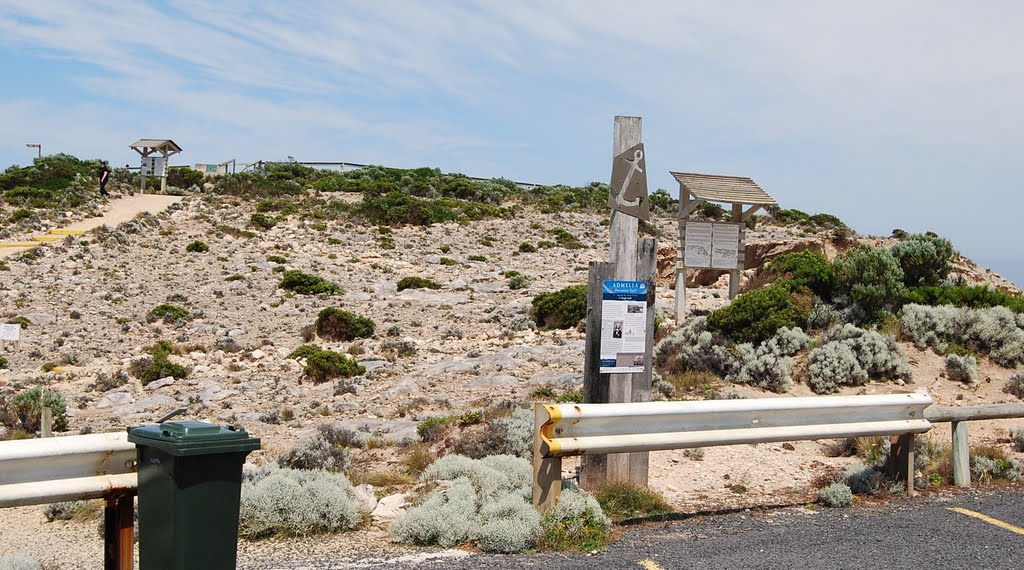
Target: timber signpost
(620,306)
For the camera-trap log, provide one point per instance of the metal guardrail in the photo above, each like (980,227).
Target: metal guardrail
(582,429)
(958,417)
(49,470)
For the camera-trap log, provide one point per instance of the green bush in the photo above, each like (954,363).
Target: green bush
(926,259)
(447,261)
(167,313)
(26,409)
(20,214)
(805,268)
(3,363)
(516,280)
(325,365)
(184,177)
(306,284)
(197,247)
(416,282)
(338,324)
(836,495)
(316,452)
(527,247)
(869,277)
(157,365)
(54,181)
(304,351)
(623,500)
(262,221)
(277,259)
(432,429)
(971,296)
(755,316)
(562,309)
(566,239)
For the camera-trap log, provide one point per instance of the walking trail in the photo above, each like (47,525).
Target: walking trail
(120,210)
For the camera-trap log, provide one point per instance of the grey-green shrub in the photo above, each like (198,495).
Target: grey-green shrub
(988,469)
(767,366)
(836,495)
(863,479)
(694,348)
(315,452)
(995,331)
(576,522)
(484,501)
(961,368)
(291,502)
(926,259)
(868,276)
(1015,385)
(1017,438)
(19,562)
(851,355)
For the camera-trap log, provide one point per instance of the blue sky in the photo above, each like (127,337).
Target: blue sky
(890,115)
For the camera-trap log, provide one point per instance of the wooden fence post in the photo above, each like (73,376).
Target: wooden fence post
(119,533)
(961,455)
(594,468)
(46,422)
(901,461)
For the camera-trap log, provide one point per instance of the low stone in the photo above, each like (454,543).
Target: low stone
(366,500)
(157,384)
(389,508)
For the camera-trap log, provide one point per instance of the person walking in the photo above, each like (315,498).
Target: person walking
(104,178)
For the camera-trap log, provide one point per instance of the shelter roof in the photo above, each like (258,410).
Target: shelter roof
(732,189)
(156,144)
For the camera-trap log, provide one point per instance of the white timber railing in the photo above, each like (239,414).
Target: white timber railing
(958,417)
(54,469)
(562,430)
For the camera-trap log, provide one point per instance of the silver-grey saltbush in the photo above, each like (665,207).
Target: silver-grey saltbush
(294,502)
(961,368)
(836,495)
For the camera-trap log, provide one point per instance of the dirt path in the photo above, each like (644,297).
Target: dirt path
(118,211)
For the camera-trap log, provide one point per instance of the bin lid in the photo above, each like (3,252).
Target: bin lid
(193,438)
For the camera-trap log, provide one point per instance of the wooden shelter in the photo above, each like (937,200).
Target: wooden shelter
(714,245)
(155,156)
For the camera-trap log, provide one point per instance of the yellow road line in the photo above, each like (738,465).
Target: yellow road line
(47,238)
(20,244)
(649,564)
(989,520)
(67,232)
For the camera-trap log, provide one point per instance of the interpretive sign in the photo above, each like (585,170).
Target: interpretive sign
(623,326)
(10,332)
(629,183)
(711,246)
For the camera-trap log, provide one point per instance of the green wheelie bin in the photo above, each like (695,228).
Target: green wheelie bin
(190,481)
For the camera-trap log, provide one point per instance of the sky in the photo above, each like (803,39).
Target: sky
(887,114)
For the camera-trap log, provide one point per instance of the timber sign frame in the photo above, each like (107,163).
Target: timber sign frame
(711,245)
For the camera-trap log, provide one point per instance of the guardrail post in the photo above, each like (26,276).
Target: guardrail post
(547,471)
(961,455)
(46,422)
(119,533)
(901,461)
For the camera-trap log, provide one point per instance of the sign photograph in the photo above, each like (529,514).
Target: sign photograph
(623,326)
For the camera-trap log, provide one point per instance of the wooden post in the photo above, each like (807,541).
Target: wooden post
(624,232)
(119,533)
(647,270)
(684,201)
(961,455)
(901,461)
(547,471)
(734,274)
(594,468)
(46,422)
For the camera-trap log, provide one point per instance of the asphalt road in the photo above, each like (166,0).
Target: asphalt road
(923,532)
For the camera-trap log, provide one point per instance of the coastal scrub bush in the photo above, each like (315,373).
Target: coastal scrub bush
(804,268)
(990,464)
(869,277)
(433,429)
(1015,385)
(624,500)
(994,331)
(506,435)
(293,502)
(324,365)
(527,247)
(167,313)
(756,315)
(961,368)
(157,365)
(576,522)
(316,452)
(924,258)
(338,324)
(416,282)
(197,247)
(851,355)
(25,409)
(1017,439)
(306,284)
(693,348)
(863,479)
(836,495)
(561,309)
(17,561)
(973,296)
(516,280)
(484,502)
(768,365)
(262,221)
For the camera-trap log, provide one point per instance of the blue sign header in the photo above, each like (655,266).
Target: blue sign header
(624,291)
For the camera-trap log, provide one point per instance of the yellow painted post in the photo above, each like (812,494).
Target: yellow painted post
(547,471)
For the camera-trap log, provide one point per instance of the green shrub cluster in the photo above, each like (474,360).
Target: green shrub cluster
(24,410)
(323,365)
(167,313)
(926,259)
(197,247)
(417,282)
(561,309)
(306,284)
(576,522)
(54,181)
(338,324)
(316,452)
(869,277)
(804,269)
(622,501)
(157,365)
(756,315)
(803,219)
(971,296)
